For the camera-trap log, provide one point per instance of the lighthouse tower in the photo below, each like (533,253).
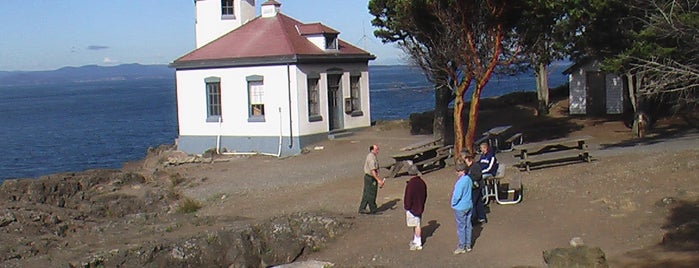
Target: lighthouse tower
(215,18)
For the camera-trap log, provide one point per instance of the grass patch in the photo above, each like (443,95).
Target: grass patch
(188,205)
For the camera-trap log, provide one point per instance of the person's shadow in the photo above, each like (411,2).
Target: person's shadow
(388,205)
(476,232)
(429,230)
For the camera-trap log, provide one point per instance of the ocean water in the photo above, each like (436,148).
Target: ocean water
(398,91)
(46,129)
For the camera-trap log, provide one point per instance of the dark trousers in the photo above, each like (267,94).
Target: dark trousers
(369,195)
(478,205)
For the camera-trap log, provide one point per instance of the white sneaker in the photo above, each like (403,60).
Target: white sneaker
(415,247)
(468,249)
(459,251)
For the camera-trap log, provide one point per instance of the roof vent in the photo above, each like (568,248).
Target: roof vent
(270,8)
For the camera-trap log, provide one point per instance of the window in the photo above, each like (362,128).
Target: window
(213,99)
(355,95)
(227,8)
(330,42)
(313,99)
(256,94)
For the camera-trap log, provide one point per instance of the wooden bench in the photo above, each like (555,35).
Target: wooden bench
(554,153)
(516,139)
(442,154)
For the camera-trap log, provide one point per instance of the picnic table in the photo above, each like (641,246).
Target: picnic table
(420,157)
(560,151)
(495,135)
(495,188)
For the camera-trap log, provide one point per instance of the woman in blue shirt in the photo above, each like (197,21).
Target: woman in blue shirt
(462,204)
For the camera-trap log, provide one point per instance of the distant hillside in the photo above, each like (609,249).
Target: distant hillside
(88,73)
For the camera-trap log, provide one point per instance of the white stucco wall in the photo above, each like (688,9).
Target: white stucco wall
(191,98)
(317,39)
(211,25)
(349,121)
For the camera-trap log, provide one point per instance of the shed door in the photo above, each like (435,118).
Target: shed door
(595,102)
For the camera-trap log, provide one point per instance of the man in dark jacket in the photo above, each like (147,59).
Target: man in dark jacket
(474,171)
(414,204)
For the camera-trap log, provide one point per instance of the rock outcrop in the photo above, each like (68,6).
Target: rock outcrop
(576,256)
(120,219)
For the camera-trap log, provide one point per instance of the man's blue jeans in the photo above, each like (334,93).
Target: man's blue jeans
(463,227)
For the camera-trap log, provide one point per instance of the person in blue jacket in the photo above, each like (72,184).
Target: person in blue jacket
(462,204)
(488,162)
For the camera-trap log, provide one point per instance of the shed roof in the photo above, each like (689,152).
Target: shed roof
(577,65)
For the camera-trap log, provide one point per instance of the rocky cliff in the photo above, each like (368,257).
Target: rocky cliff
(115,218)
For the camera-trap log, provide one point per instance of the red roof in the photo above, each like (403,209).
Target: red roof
(274,39)
(271,2)
(316,28)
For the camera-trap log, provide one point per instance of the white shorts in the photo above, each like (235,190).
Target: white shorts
(411,220)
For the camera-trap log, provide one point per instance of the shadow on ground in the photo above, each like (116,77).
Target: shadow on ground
(429,230)
(680,245)
(656,135)
(521,115)
(683,228)
(388,205)
(523,119)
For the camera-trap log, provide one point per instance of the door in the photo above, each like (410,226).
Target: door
(595,91)
(335,101)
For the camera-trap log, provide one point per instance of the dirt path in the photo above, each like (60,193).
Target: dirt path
(614,202)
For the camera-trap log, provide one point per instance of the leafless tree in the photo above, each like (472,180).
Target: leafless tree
(668,77)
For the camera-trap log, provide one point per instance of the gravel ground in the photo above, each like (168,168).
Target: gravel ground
(618,202)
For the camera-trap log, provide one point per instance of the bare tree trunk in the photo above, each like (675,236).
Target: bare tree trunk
(632,91)
(459,118)
(542,89)
(473,117)
(640,118)
(441,108)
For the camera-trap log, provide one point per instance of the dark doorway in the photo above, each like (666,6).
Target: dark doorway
(596,100)
(335,101)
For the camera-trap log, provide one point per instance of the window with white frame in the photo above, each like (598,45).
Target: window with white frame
(213,99)
(355,94)
(227,8)
(314,98)
(331,42)
(256,98)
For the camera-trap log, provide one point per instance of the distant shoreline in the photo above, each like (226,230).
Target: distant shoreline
(76,121)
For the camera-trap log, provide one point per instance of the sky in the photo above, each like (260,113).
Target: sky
(47,35)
